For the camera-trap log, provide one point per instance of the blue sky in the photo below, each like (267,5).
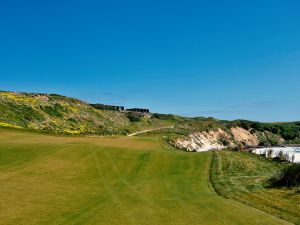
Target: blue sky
(226,59)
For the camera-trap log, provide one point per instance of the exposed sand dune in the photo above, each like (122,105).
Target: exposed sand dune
(204,141)
(244,136)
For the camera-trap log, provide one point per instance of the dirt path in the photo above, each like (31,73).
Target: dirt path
(145,131)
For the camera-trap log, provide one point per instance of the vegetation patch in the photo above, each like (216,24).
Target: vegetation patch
(289,177)
(246,178)
(54,110)
(288,131)
(134,116)
(60,114)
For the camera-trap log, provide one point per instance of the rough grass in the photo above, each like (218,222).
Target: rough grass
(113,180)
(244,177)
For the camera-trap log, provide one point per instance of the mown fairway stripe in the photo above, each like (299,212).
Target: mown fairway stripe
(95,181)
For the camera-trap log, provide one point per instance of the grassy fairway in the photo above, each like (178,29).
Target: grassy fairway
(243,176)
(114,180)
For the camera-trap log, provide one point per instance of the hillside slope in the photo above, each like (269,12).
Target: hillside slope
(60,114)
(202,134)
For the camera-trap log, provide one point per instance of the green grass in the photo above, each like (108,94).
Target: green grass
(245,177)
(52,180)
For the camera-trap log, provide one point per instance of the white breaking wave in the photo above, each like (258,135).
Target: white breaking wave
(290,154)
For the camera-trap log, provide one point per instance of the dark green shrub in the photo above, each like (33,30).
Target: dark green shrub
(54,110)
(289,177)
(289,132)
(72,120)
(164,116)
(223,140)
(134,116)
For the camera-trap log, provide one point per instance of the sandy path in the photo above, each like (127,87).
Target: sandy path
(145,131)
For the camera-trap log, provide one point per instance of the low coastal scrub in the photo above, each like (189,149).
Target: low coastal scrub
(60,114)
(134,116)
(288,131)
(63,115)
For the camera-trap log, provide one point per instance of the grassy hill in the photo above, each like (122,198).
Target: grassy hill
(60,114)
(48,179)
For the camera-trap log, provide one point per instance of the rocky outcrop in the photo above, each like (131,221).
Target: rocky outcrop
(205,141)
(221,139)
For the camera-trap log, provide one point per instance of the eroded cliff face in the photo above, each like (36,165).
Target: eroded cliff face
(205,141)
(244,137)
(221,139)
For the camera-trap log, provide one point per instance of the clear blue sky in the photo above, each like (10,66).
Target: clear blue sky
(226,59)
